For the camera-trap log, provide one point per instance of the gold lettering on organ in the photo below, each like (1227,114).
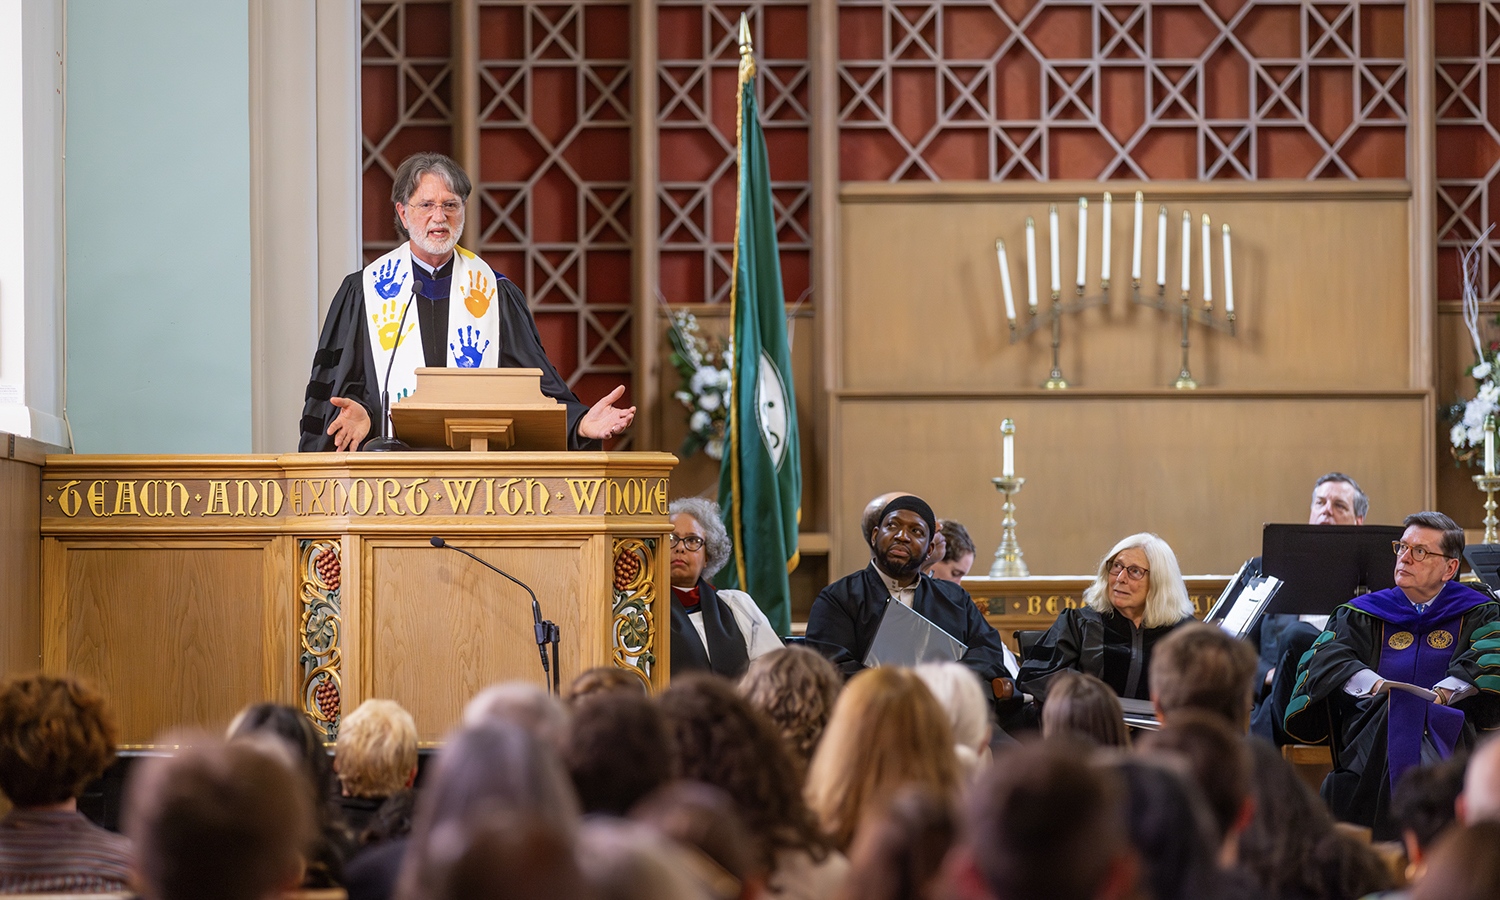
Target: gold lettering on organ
(338,499)
(585,491)
(267,488)
(510,497)
(369,497)
(96,499)
(388,489)
(543,495)
(242,489)
(125,499)
(489,496)
(218,499)
(460,493)
(416,498)
(661,496)
(69,500)
(1034,605)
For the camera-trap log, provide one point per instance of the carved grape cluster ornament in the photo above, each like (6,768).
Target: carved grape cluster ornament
(329,568)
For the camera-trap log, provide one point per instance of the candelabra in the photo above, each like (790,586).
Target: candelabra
(1489,484)
(1008,557)
(1204,316)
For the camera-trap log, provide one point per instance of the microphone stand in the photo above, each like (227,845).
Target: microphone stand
(385,442)
(546,630)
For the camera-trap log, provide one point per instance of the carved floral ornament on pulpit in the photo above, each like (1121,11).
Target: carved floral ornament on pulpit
(1202,312)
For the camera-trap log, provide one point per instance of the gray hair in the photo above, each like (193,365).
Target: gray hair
(1361,502)
(1166,599)
(409,175)
(716,545)
(524,705)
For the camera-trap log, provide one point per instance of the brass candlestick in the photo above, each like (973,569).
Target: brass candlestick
(1008,557)
(1489,484)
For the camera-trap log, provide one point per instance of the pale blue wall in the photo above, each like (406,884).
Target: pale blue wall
(158,226)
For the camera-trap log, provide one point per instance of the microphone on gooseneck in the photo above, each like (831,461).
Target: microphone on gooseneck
(385,441)
(536,608)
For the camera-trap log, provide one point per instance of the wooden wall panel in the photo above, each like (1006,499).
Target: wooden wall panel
(445,626)
(169,631)
(1204,471)
(20,561)
(1321,288)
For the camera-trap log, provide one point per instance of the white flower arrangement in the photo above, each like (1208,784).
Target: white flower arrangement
(1468,416)
(703,364)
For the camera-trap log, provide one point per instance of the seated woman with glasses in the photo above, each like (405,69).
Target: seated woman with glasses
(712,630)
(1136,599)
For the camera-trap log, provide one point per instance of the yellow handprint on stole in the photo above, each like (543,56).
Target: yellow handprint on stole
(481,292)
(386,321)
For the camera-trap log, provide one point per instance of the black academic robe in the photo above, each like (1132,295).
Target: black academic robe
(1359,788)
(846,615)
(1109,647)
(344,365)
(726,653)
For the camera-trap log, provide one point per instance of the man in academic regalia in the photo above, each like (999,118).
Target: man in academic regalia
(1355,684)
(712,630)
(846,615)
(450,308)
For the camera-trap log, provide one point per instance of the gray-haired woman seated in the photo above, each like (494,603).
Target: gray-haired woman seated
(712,630)
(1137,598)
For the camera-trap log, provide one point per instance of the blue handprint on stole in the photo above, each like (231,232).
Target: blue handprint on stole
(468,354)
(387,285)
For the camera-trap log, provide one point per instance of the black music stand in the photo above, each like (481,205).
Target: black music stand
(1324,566)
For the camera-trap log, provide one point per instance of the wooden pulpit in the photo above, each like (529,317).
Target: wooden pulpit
(480,410)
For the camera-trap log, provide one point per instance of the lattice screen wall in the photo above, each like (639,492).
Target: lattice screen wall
(1468,140)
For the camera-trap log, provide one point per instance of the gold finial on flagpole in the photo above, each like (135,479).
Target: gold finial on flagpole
(747,50)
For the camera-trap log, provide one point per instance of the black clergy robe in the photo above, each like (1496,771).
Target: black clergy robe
(846,615)
(344,366)
(1109,647)
(725,654)
(1458,636)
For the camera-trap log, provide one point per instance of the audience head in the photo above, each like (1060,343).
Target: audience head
(1480,800)
(1084,707)
(1337,500)
(904,532)
(219,820)
(795,688)
(56,736)
(525,705)
(1218,761)
(507,855)
(726,742)
(871,516)
(1465,865)
(704,821)
(1424,801)
(899,851)
(958,557)
(700,543)
(619,750)
(296,731)
(496,767)
(377,750)
(625,860)
(960,693)
(604,678)
(887,731)
(1171,828)
(1148,582)
(1200,667)
(1044,823)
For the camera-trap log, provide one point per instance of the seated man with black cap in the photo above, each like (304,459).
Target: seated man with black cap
(846,616)
(717,631)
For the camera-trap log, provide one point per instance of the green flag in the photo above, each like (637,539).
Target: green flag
(760,480)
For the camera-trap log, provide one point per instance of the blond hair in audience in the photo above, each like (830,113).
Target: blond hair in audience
(376,754)
(1167,599)
(887,731)
(796,688)
(961,694)
(1084,707)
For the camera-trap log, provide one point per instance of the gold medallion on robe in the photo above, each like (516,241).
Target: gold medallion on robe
(1401,640)
(1440,640)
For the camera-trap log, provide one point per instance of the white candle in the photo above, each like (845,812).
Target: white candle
(1104,266)
(1056,252)
(1187,250)
(1161,246)
(1010,301)
(1208,271)
(1135,250)
(1228,275)
(1031,263)
(1083,238)
(1008,456)
(1489,446)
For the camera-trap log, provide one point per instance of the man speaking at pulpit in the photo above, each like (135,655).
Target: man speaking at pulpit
(430,303)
